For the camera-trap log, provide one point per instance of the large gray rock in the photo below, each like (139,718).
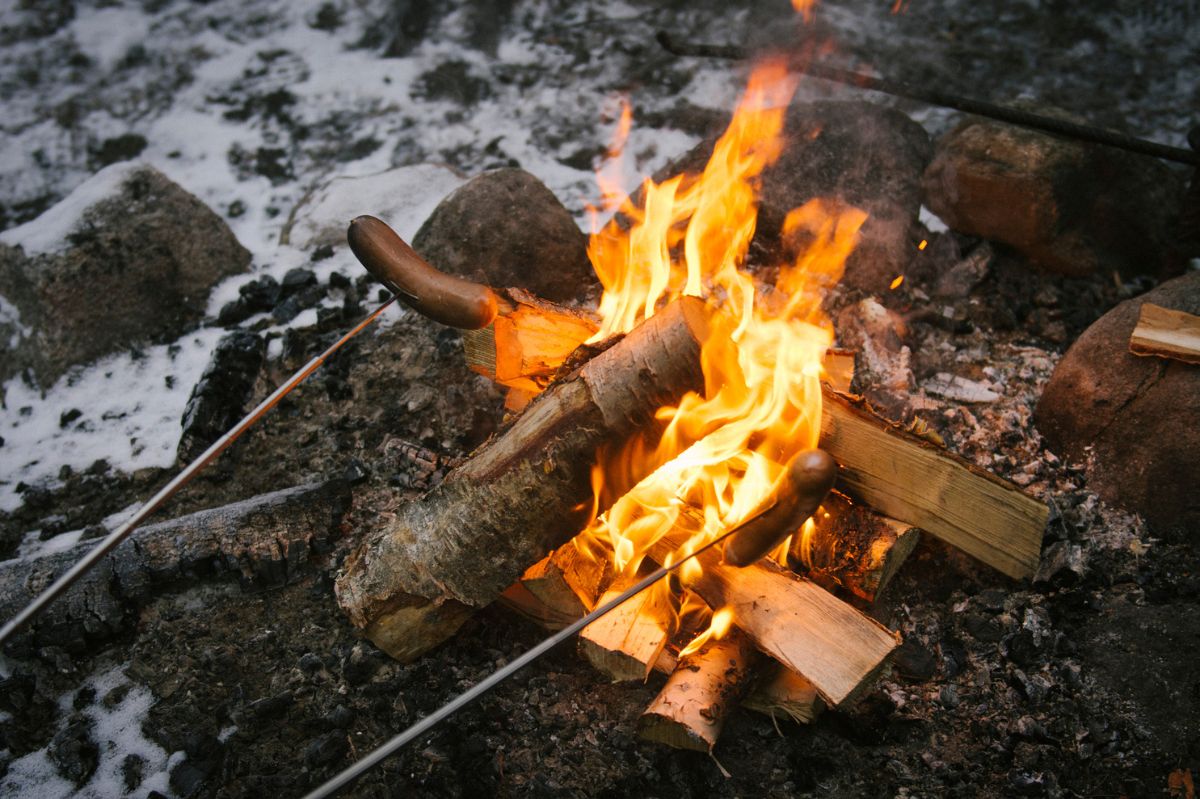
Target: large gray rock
(854,153)
(1133,419)
(505,228)
(1070,207)
(129,257)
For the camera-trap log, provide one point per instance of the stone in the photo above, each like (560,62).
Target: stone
(128,257)
(853,153)
(1132,419)
(505,228)
(220,398)
(1070,207)
(74,752)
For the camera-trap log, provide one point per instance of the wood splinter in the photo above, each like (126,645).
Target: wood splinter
(1166,333)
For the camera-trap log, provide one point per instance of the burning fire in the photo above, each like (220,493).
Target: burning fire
(721,454)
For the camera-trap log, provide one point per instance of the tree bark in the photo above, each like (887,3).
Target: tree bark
(410,585)
(705,686)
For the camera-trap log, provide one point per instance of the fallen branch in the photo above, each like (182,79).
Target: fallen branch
(264,541)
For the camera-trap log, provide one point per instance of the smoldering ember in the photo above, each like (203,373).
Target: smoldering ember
(905,397)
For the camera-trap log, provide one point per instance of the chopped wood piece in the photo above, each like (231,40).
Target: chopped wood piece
(629,641)
(853,547)
(910,479)
(524,346)
(412,583)
(778,690)
(559,588)
(1167,334)
(793,620)
(705,686)
(263,541)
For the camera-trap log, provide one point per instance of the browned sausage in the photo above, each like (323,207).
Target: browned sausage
(809,478)
(443,298)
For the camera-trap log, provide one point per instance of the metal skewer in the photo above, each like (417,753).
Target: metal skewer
(179,481)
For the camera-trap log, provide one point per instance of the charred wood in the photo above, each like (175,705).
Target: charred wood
(265,541)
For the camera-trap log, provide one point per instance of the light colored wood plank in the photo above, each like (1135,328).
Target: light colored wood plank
(1166,333)
(914,481)
(629,641)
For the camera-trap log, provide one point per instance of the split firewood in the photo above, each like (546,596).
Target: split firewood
(852,547)
(917,482)
(704,687)
(265,541)
(411,584)
(560,588)
(630,641)
(779,690)
(1166,333)
(528,341)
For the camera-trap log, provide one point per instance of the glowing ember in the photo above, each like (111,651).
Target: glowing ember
(895,284)
(721,454)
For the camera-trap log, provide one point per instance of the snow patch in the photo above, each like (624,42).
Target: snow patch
(48,233)
(131,407)
(932,221)
(106,34)
(118,716)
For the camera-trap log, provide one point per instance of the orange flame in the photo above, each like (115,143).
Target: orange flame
(805,8)
(723,452)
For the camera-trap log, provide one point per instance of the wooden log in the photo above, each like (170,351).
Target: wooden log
(264,541)
(852,547)
(1166,333)
(778,690)
(630,641)
(705,686)
(559,588)
(913,480)
(795,621)
(528,340)
(411,584)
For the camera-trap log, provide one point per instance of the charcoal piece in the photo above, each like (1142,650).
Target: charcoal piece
(223,393)
(74,752)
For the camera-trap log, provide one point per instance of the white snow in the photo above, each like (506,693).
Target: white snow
(107,34)
(48,233)
(118,734)
(131,407)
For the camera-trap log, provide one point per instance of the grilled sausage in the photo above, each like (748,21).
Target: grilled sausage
(810,476)
(443,298)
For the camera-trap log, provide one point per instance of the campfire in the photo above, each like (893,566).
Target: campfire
(702,400)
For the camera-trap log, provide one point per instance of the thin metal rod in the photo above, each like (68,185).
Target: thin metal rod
(179,481)
(1002,113)
(472,694)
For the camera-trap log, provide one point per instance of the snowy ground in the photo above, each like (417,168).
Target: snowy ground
(256,106)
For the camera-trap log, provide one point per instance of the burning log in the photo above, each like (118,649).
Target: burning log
(410,585)
(265,541)
(704,687)
(630,641)
(1166,333)
(795,621)
(910,479)
(527,342)
(852,547)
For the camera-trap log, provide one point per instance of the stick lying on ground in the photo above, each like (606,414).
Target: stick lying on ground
(412,584)
(265,541)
